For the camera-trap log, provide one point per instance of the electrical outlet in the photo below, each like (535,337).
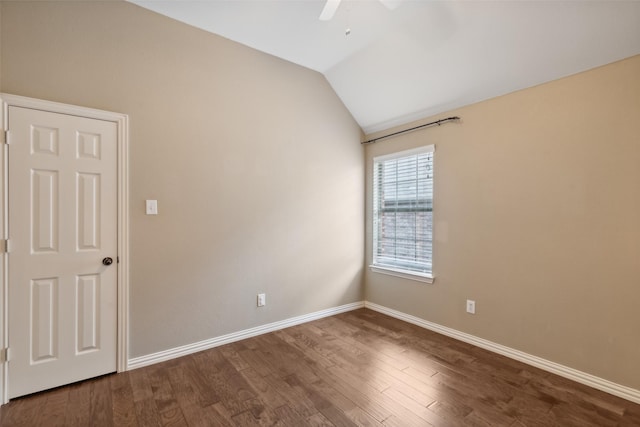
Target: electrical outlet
(471,306)
(262,300)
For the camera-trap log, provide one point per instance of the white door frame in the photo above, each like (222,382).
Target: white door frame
(122,121)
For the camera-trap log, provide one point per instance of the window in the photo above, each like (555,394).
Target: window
(403,214)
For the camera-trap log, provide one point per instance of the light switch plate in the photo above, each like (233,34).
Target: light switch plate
(152,207)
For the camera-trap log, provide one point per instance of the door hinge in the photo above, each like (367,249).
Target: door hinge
(4,355)
(4,137)
(4,246)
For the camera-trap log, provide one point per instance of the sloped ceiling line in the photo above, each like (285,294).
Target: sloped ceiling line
(424,57)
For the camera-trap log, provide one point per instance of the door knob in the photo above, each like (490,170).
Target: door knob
(107,261)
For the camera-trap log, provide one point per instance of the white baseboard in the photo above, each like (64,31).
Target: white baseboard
(161,356)
(607,386)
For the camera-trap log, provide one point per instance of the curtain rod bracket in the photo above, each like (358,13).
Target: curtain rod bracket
(437,122)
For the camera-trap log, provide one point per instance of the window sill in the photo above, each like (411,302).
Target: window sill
(405,274)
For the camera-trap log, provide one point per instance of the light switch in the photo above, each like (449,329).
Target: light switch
(152,207)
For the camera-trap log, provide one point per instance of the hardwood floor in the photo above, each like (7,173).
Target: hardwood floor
(356,368)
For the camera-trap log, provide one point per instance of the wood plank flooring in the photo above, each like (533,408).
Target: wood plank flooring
(358,368)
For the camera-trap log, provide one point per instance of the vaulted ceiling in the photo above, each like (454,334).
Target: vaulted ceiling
(407,59)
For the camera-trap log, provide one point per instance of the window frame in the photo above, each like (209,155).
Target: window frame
(398,271)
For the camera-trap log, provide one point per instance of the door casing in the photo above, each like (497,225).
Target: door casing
(122,122)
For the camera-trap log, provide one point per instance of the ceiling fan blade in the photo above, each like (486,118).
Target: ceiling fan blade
(391,4)
(329,10)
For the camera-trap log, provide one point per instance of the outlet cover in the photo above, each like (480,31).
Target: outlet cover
(471,306)
(262,300)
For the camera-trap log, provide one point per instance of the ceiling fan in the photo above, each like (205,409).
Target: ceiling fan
(331,6)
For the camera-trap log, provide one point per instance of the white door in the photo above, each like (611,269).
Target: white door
(62,202)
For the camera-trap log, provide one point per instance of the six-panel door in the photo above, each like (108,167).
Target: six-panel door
(62,224)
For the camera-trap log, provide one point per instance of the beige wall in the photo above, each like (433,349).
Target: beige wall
(254,161)
(537,218)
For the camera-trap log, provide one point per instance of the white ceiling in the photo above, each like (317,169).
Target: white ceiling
(424,57)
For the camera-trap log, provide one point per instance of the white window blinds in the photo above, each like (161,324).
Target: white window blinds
(403,211)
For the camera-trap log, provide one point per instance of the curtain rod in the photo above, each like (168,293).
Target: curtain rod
(437,122)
